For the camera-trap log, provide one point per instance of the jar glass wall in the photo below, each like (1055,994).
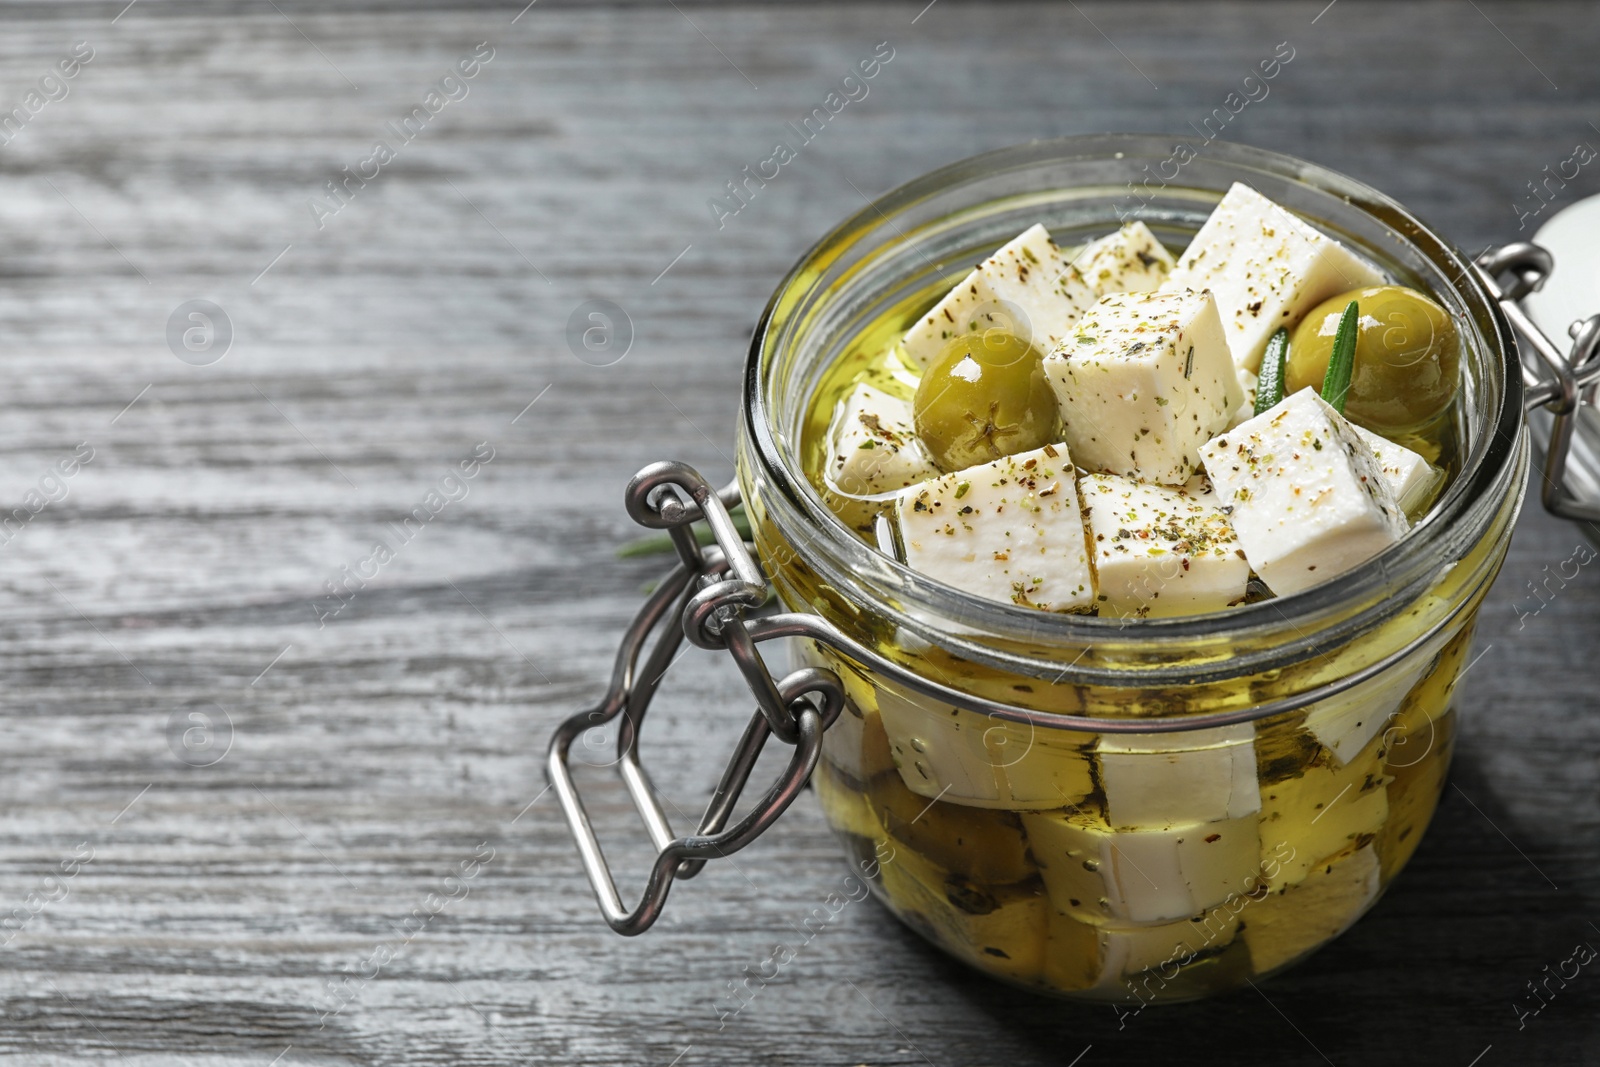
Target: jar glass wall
(1164,808)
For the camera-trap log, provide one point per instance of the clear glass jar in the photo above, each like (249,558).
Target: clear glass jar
(1157,810)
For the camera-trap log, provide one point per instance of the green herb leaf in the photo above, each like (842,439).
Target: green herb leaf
(1269,390)
(660,544)
(1336,384)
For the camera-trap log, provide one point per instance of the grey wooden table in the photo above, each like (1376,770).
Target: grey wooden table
(238,826)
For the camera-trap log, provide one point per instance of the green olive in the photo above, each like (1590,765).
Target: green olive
(1407,363)
(985,396)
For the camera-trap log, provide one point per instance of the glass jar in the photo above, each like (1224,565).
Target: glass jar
(1140,865)
(1136,811)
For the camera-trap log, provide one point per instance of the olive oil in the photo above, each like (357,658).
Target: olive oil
(1332,831)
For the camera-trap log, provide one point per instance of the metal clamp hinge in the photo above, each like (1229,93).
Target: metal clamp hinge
(705,599)
(1571,377)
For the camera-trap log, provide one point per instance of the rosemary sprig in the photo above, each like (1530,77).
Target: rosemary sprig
(1269,390)
(658,544)
(1342,363)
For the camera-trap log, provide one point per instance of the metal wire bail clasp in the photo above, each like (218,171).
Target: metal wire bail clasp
(1571,378)
(704,598)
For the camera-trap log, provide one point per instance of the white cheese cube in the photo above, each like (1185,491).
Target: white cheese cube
(1147,875)
(1009,530)
(1143,381)
(1308,499)
(1159,550)
(1001,928)
(1081,956)
(1195,776)
(1040,769)
(1128,261)
(938,759)
(1132,950)
(1027,288)
(1345,722)
(1411,477)
(1291,923)
(872,447)
(965,757)
(1321,813)
(1267,268)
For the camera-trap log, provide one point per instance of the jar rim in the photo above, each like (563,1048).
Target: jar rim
(1392,578)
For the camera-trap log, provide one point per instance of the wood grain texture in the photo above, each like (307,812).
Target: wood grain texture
(372,756)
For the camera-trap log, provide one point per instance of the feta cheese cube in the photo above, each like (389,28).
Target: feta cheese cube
(1148,875)
(964,757)
(1345,722)
(1167,779)
(1128,261)
(997,928)
(1322,812)
(1027,288)
(1267,268)
(1308,499)
(872,447)
(1412,478)
(1344,725)
(1293,922)
(1040,769)
(1143,381)
(1159,550)
(1084,956)
(1132,950)
(1008,530)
